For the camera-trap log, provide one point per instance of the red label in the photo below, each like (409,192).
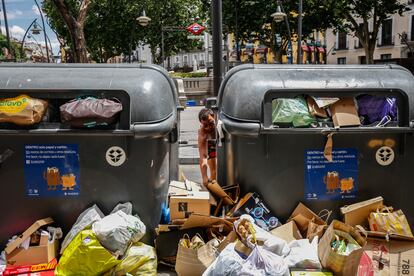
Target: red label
(195,29)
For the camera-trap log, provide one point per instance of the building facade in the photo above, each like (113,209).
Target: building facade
(393,36)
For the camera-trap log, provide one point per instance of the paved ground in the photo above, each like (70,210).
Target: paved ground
(188,135)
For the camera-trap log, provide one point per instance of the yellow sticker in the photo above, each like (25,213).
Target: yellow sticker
(14,105)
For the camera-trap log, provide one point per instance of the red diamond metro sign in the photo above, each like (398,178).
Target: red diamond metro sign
(195,29)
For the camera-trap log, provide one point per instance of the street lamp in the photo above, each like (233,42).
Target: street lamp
(35,30)
(279,16)
(142,20)
(44,29)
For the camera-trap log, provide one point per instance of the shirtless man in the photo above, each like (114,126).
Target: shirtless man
(207,144)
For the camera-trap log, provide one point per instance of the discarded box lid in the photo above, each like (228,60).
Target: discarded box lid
(26,234)
(358,213)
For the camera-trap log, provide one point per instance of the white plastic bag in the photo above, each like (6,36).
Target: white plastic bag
(228,263)
(117,231)
(125,207)
(303,254)
(264,262)
(270,242)
(86,219)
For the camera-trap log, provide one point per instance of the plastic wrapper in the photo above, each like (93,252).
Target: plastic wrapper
(22,110)
(118,230)
(375,109)
(227,263)
(291,111)
(303,254)
(264,262)
(389,221)
(85,220)
(90,112)
(125,207)
(85,256)
(140,259)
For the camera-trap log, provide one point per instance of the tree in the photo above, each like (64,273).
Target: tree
(251,21)
(356,16)
(111,28)
(73,14)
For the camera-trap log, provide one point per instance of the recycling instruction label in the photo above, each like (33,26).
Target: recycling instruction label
(52,170)
(334,180)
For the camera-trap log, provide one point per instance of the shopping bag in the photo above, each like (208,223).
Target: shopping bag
(85,256)
(388,221)
(140,259)
(315,230)
(291,111)
(22,110)
(193,258)
(302,215)
(341,262)
(90,112)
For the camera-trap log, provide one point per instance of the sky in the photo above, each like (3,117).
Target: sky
(20,13)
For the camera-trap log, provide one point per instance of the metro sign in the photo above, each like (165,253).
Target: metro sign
(195,29)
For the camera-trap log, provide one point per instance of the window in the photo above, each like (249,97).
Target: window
(342,60)
(412,28)
(362,59)
(342,37)
(386,56)
(386,33)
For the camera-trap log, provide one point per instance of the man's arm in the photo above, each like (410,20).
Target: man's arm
(202,150)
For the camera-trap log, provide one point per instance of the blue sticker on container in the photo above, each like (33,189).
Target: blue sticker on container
(52,170)
(334,180)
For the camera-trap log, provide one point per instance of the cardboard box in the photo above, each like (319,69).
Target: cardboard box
(253,205)
(387,258)
(344,113)
(192,203)
(288,232)
(34,254)
(30,269)
(186,198)
(302,215)
(358,213)
(309,272)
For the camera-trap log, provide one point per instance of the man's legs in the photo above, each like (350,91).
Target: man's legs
(212,164)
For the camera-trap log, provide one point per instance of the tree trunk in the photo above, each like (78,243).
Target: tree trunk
(75,27)
(369,53)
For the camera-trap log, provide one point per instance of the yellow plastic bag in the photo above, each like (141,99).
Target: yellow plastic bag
(385,220)
(140,259)
(85,256)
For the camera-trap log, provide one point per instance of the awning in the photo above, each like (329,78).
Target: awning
(311,48)
(261,50)
(321,50)
(305,48)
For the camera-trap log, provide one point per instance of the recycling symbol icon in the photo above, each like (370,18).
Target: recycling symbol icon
(115,156)
(385,156)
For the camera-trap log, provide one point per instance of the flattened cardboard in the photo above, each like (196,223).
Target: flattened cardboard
(314,109)
(344,113)
(196,220)
(387,258)
(358,213)
(288,232)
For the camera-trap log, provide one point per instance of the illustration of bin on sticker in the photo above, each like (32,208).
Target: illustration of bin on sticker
(52,170)
(335,180)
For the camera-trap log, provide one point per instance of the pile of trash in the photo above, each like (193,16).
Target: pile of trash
(96,245)
(243,238)
(307,111)
(248,239)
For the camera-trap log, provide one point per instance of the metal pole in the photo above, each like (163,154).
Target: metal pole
(162,47)
(217,45)
(44,30)
(237,30)
(6,25)
(299,61)
(289,34)
(24,37)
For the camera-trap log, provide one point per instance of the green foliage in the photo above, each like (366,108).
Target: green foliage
(356,16)
(16,49)
(189,75)
(111,28)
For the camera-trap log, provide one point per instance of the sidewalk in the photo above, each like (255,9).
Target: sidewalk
(188,152)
